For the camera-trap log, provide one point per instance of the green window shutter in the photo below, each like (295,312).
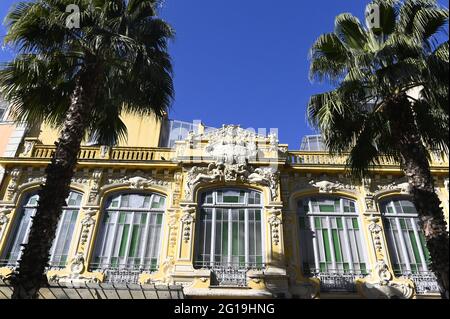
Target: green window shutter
(235,240)
(414,246)
(317,223)
(402,223)
(337,246)
(339,223)
(424,247)
(326,244)
(355,223)
(134,241)
(123,243)
(225,239)
(159,218)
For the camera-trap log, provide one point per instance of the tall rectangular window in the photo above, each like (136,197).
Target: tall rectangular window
(230,230)
(130,236)
(59,252)
(330,236)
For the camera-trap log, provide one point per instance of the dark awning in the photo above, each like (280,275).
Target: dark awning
(101,291)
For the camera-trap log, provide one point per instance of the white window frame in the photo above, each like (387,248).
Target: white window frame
(117,210)
(309,219)
(23,207)
(230,207)
(400,248)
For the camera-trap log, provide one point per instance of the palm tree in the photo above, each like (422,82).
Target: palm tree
(373,110)
(80,79)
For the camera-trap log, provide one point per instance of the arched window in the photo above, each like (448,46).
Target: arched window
(129,238)
(330,236)
(60,249)
(230,229)
(406,241)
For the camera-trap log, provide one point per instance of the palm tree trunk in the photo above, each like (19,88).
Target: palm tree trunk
(417,169)
(30,275)
(415,164)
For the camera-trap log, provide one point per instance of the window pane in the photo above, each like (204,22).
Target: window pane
(22,225)
(130,235)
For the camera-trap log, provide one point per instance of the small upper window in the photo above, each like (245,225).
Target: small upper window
(232,197)
(3,108)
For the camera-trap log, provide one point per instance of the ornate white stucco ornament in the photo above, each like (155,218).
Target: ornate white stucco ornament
(77,266)
(330,187)
(275,223)
(404,188)
(385,287)
(222,172)
(13,184)
(232,145)
(137,182)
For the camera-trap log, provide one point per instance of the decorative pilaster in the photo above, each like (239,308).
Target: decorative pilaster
(187,220)
(77,271)
(13,184)
(87,226)
(275,222)
(5,211)
(381,284)
(95,186)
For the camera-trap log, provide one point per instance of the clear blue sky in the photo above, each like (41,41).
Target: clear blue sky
(245,61)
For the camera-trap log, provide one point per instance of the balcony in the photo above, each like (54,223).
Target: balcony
(307,158)
(337,282)
(122,274)
(228,275)
(426,282)
(99,152)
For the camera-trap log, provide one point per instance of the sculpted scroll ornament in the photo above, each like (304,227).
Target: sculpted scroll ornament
(13,184)
(381,284)
(404,188)
(275,223)
(77,268)
(232,145)
(376,231)
(330,187)
(138,182)
(87,222)
(384,287)
(187,221)
(221,172)
(96,178)
(4,218)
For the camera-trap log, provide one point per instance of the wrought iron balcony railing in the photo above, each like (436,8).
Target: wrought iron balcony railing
(122,274)
(337,281)
(13,264)
(426,282)
(229,274)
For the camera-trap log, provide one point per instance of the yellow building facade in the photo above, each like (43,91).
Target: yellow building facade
(222,213)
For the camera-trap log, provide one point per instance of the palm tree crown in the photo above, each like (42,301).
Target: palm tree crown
(125,38)
(372,69)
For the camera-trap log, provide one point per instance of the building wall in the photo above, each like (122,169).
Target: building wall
(143,131)
(227,158)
